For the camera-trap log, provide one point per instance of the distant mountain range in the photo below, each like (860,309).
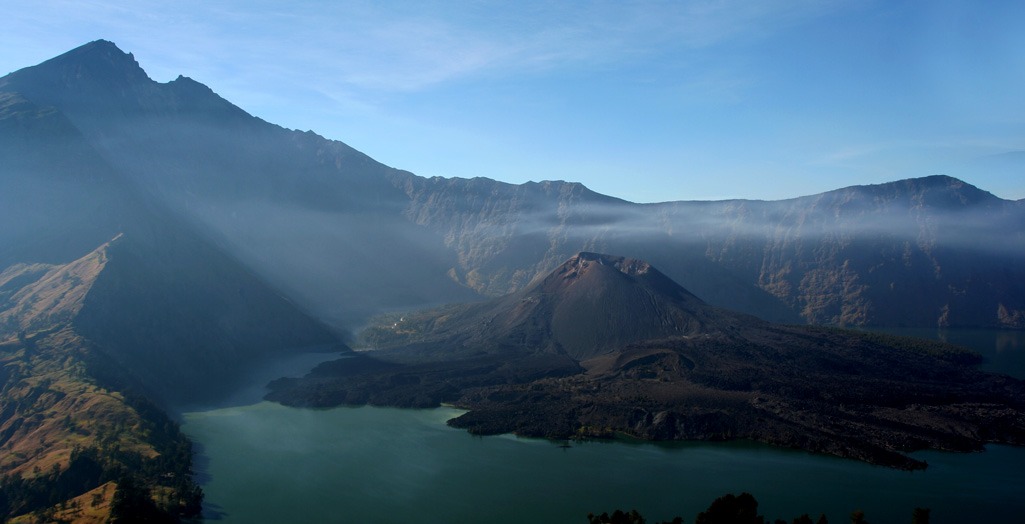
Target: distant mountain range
(156,239)
(345,236)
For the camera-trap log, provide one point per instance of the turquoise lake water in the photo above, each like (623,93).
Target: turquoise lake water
(262,462)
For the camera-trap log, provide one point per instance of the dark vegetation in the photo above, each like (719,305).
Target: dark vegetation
(738,509)
(672,368)
(943,351)
(147,491)
(154,480)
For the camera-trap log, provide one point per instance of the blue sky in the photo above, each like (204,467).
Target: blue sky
(648,101)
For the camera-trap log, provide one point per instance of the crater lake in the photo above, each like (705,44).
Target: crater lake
(263,462)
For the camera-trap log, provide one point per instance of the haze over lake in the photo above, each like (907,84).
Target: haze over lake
(268,463)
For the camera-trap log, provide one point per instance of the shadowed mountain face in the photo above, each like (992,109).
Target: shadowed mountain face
(595,303)
(110,304)
(608,345)
(59,200)
(913,252)
(590,305)
(348,237)
(164,302)
(314,217)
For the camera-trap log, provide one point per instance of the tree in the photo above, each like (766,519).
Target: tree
(617,517)
(920,516)
(732,509)
(858,517)
(132,503)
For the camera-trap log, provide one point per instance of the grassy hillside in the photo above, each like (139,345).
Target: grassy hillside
(68,427)
(71,419)
(86,348)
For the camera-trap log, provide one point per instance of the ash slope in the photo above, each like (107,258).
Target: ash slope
(605,346)
(590,305)
(167,303)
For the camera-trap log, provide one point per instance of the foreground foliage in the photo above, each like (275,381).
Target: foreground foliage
(737,509)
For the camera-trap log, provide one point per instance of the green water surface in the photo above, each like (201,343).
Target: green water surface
(263,462)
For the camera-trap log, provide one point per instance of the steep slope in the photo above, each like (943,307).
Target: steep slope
(71,418)
(167,304)
(314,217)
(932,251)
(87,134)
(59,200)
(188,320)
(584,301)
(42,296)
(94,337)
(606,345)
(590,305)
(506,235)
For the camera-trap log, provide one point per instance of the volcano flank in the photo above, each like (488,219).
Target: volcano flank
(605,346)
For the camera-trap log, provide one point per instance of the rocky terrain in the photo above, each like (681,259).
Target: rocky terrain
(907,253)
(606,346)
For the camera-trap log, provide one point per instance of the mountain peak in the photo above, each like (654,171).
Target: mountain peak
(97,83)
(947,192)
(594,303)
(100,45)
(594,271)
(934,191)
(99,66)
(943,182)
(628,266)
(590,305)
(100,57)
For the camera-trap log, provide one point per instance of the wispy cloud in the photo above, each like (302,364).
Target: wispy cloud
(962,150)
(405,46)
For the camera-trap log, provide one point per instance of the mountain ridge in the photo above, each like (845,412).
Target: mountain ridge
(851,256)
(107,53)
